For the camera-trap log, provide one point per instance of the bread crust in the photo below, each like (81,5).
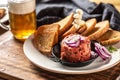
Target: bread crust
(2,12)
(79,29)
(65,24)
(45,38)
(82,28)
(110,37)
(90,26)
(69,31)
(100,29)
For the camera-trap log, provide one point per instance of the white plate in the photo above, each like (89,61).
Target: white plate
(45,63)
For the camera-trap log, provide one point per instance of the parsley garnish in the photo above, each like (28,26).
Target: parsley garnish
(111,49)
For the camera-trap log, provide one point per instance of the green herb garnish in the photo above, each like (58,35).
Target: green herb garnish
(111,49)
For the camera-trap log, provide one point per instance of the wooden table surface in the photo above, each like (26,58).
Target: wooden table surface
(15,66)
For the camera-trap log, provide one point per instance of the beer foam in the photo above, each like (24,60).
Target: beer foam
(21,6)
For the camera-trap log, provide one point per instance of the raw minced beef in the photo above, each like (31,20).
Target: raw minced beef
(75,48)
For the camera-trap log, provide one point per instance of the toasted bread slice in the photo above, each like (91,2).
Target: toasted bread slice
(69,31)
(65,23)
(99,30)
(45,38)
(50,28)
(82,28)
(2,12)
(73,29)
(90,26)
(110,37)
(44,42)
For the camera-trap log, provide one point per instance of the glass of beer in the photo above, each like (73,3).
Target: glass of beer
(22,18)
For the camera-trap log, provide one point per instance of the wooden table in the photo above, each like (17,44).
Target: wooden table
(15,66)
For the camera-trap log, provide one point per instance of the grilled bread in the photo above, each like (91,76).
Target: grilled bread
(90,26)
(82,28)
(110,37)
(50,28)
(44,42)
(99,30)
(2,12)
(73,29)
(45,38)
(65,24)
(69,31)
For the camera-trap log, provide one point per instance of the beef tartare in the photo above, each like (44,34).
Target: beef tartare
(75,48)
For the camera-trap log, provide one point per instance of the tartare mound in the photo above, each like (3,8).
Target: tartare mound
(75,48)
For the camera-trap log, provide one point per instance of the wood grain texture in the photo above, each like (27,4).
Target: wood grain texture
(15,66)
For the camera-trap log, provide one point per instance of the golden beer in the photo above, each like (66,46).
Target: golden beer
(22,18)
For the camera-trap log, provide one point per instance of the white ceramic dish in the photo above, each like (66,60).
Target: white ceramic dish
(47,64)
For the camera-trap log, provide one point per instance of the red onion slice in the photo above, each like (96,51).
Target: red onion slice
(102,51)
(106,51)
(76,44)
(73,41)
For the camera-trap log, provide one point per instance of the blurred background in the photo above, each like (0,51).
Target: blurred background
(116,3)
